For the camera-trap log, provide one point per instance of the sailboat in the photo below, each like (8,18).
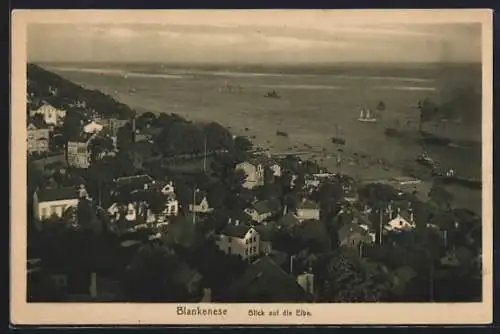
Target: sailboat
(366,116)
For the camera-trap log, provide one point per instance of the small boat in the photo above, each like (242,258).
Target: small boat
(281,133)
(338,140)
(425,160)
(273,94)
(366,116)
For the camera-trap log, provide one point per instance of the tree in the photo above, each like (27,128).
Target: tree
(441,197)
(100,145)
(217,137)
(145,119)
(72,125)
(354,280)
(123,165)
(149,276)
(217,194)
(124,137)
(328,195)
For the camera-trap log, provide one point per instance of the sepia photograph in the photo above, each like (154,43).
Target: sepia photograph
(279,163)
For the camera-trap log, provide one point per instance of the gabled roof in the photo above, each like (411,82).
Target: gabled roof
(350,229)
(136,181)
(265,281)
(262,207)
(236,231)
(241,216)
(199,196)
(57,194)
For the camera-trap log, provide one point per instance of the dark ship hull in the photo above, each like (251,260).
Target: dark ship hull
(339,141)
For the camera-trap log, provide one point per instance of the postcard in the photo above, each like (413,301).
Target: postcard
(243,167)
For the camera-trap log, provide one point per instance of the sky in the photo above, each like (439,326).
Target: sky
(254,39)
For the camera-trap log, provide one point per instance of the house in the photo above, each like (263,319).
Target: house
(57,201)
(254,170)
(171,206)
(307,210)
(254,174)
(38,138)
(241,240)
(92,127)
(78,153)
(353,235)
(401,220)
(262,210)
(266,281)
(132,184)
(113,124)
(164,187)
(239,218)
(201,204)
(51,115)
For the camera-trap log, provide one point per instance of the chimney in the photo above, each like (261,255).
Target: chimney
(93,285)
(291,263)
(236,222)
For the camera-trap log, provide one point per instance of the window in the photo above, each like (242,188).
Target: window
(44,212)
(229,250)
(228,239)
(246,251)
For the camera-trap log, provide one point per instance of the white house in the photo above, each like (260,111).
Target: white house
(49,202)
(166,188)
(241,240)
(200,204)
(260,211)
(307,210)
(254,170)
(93,127)
(171,206)
(404,220)
(254,174)
(51,115)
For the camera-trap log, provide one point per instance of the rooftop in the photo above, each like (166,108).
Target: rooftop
(350,229)
(236,231)
(265,281)
(57,194)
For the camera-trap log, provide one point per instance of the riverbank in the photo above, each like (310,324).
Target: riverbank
(310,111)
